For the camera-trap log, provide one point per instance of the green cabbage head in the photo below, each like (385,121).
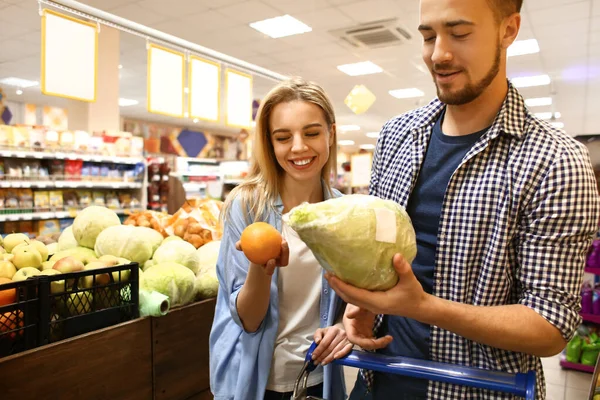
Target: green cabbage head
(355,237)
(171,279)
(131,242)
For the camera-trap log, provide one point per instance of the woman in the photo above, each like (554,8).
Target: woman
(267,315)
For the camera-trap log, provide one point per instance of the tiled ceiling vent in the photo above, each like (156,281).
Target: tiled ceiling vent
(374,34)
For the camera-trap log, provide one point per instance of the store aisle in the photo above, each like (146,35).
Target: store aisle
(560,384)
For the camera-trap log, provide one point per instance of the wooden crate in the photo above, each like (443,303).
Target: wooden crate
(180,352)
(112,363)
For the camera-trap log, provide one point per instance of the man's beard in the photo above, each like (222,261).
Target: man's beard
(472,90)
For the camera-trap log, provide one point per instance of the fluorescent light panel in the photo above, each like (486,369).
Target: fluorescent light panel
(407,93)
(367,146)
(127,102)
(547,115)
(529,81)
(539,102)
(281,26)
(18,82)
(360,68)
(522,47)
(373,135)
(346,142)
(558,125)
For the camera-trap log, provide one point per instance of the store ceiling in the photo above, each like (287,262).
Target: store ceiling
(568,32)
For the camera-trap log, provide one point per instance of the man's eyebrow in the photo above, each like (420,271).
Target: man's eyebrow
(449,24)
(316,124)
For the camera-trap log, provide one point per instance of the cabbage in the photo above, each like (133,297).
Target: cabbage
(178,251)
(90,222)
(171,279)
(151,236)
(355,237)
(66,240)
(206,285)
(125,241)
(208,254)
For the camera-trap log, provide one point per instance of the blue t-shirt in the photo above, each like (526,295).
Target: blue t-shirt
(411,338)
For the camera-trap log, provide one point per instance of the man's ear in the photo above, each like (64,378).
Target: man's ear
(510,30)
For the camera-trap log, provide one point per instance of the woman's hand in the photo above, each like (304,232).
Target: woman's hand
(332,344)
(269,267)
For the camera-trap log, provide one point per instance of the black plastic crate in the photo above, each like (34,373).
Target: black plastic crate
(75,303)
(19,320)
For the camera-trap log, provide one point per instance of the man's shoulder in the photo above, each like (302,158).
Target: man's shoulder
(547,137)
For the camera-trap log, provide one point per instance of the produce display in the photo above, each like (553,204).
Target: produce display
(355,237)
(584,348)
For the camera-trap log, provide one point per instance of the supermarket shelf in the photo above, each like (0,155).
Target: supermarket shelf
(577,367)
(591,318)
(52,215)
(69,156)
(232,181)
(590,270)
(71,184)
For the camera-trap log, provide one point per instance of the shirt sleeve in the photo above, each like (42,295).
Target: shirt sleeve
(375,169)
(232,264)
(556,230)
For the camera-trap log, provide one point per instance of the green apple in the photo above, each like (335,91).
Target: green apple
(7,269)
(2,250)
(13,240)
(68,264)
(27,256)
(55,286)
(50,272)
(24,273)
(48,265)
(101,279)
(79,303)
(52,248)
(113,261)
(83,254)
(7,257)
(39,246)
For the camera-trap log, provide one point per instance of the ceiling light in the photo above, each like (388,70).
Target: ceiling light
(186,90)
(18,82)
(522,47)
(196,120)
(407,93)
(120,66)
(539,101)
(528,81)
(282,26)
(367,146)
(360,68)
(558,125)
(373,135)
(127,102)
(548,115)
(346,142)
(348,128)
(19,92)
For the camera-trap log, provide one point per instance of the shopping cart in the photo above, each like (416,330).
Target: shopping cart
(520,384)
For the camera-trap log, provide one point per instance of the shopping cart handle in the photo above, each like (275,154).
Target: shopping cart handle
(519,384)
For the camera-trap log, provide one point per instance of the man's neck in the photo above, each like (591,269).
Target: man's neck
(478,114)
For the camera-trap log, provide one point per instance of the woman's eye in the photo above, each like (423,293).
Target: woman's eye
(312,134)
(461,36)
(281,139)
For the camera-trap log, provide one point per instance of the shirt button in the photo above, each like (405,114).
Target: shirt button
(326,291)
(324,316)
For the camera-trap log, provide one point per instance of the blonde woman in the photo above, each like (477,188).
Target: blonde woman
(267,315)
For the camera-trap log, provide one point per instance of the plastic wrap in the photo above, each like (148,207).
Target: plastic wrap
(355,237)
(196,222)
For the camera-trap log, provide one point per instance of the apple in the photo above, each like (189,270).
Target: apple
(55,286)
(113,261)
(7,269)
(2,250)
(48,265)
(41,247)
(52,248)
(6,257)
(27,256)
(79,303)
(24,273)
(68,264)
(101,279)
(13,240)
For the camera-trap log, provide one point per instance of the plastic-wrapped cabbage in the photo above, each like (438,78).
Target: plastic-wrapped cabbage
(171,279)
(355,237)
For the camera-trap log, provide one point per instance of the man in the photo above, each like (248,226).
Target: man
(504,207)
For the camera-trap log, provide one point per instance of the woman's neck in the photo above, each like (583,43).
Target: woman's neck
(294,193)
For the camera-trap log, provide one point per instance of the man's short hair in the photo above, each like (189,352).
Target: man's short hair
(504,8)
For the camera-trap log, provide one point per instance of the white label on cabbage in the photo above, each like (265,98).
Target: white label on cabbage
(385,225)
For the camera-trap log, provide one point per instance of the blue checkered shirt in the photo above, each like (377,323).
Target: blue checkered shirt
(518,218)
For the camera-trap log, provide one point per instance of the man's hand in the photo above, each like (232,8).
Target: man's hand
(332,344)
(405,299)
(359,328)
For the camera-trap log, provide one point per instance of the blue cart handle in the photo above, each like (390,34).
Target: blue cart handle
(520,384)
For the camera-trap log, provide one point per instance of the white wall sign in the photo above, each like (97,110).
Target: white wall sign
(204,89)
(165,81)
(360,165)
(239,99)
(69,57)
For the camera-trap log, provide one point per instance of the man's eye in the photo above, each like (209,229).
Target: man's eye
(429,39)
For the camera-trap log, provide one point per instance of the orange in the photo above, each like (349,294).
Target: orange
(7,296)
(261,242)
(8,322)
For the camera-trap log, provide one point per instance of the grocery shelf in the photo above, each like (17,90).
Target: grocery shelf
(577,367)
(71,184)
(70,156)
(54,214)
(593,318)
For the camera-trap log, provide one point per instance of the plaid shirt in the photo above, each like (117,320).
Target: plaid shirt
(517,220)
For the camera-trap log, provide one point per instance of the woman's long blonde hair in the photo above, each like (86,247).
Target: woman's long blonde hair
(260,189)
